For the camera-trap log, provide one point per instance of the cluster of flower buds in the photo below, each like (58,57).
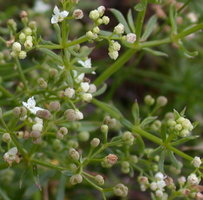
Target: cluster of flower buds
(25,39)
(98,17)
(128,138)
(109,161)
(120,190)
(12,156)
(110,122)
(114,48)
(73,115)
(189,186)
(196,162)
(76,179)
(180,125)
(36,130)
(62,132)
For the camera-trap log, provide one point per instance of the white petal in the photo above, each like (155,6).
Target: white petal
(25,104)
(31,102)
(56,10)
(81,62)
(64,14)
(88,63)
(60,67)
(13,151)
(54,19)
(80,78)
(35,109)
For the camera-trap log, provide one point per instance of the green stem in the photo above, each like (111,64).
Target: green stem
(5,91)
(77,41)
(46,164)
(20,71)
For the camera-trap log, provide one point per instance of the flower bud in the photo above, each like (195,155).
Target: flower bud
(131,38)
(87,97)
(54,106)
(113,55)
(149,100)
(74,154)
(6,137)
(20,112)
(78,14)
(94,14)
(28,31)
(91,35)
(44,114)
(83,136)
(128,138)
(96,30)
(196,162)
(37,127)
(76,179)
(119,29)
(112,159)
(101,10)
(12,25)
(120,190)
(70,115)
(62,132)
(16,47)
(161,101)
(22,55)
(95,142)
(32,25)
(35,134)
(92,88)
(22,37)
(99,179)
(105,20)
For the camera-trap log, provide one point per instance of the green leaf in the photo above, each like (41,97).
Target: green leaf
(131,21)
(149,27)
(119,16)
(172,17)
(174,161)
(140,6)
(61,188)
(187,53)
(148,121)
(184,140)
(176,114)
(155,53)
(51,54)
(84,70)
(161,161)
(156,151)
(140,144)
(67,173)
(136,113)
(101,90)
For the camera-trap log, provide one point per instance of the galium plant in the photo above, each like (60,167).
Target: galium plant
(48,132)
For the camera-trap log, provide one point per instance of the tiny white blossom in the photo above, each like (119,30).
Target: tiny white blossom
(196,162)
(11,155)
(86,64)
(159,176)
(193,179)
(31,105)
(40,6)
(131,37)
(58,16)
(78,77)
(61,67)
(192,17)
(85,86)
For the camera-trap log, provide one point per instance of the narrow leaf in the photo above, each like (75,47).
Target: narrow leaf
(161,161)
(149,27)
(135,113)
(155,53)
(174,160)
(100,90)
(121,19)
(131,21)
(147,121)
(140,144)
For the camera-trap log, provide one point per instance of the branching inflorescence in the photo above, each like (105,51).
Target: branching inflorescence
(45,121)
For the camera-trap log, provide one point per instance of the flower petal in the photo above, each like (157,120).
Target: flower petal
(56,10)
(31,102)
(54,19)
(64,14)
(88,63)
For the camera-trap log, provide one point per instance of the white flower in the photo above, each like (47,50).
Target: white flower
(196,162)
(78,77)
(153,186)
(58,16)
(87,97)
(31,105)
(41,7)
(159,193)
(119,29)
(69,92)
(85,86)
(192,17)
(86,64)
(79,115)
(37,127)
(131,37)
(159,176)
(193,179)
(61,67)
(161,184)
(11,155)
